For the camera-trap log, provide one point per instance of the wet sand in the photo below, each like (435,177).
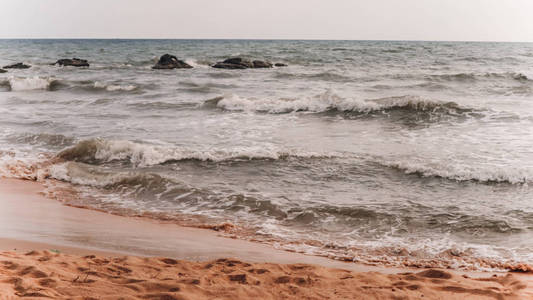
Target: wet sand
(86,253)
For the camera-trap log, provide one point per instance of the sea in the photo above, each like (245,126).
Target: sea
(400,153)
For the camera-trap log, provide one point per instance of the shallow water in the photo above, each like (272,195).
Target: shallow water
(373,151)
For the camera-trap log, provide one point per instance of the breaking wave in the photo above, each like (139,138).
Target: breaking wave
(97,151)
(330,102)
(511,175)
(17,84)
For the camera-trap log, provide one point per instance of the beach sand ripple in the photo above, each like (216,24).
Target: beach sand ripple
(48,274)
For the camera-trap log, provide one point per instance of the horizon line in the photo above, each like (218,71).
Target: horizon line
(265,39)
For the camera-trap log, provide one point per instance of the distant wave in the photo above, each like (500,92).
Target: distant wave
(465,77)
(97,151)
(323,76)
(473,76)
(330,102)
(53,84)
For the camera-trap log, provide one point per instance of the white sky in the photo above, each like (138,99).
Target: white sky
(457,20)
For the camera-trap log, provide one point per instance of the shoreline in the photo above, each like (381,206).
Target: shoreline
(29,221)
(45,223)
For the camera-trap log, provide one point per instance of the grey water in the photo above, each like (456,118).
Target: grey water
(371,151)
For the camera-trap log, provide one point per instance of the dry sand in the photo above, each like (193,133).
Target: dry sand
(101,256)
(47,274)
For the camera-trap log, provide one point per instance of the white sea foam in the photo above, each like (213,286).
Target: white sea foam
(114,87)
(21,166)
(327,101)
(146,155)
(463,172)
(29,83)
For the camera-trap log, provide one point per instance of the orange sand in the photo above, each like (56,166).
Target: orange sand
(51,275)
(84,241)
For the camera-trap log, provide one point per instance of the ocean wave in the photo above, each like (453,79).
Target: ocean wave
(466,77)
(195,87)
(17,84)
(53,84)
(323,76)
(480,174)
(159,105)
(97,151)
(114,87)
(82,174)
(330,102)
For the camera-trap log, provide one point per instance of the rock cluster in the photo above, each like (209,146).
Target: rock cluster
(168,61)
(241,63)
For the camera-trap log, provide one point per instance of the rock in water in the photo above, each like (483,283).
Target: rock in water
(221,65)
(241,63)
(262,64)
(168,61)
(17,66)
(280,65)
(2,71)
(234,63)
(75,62)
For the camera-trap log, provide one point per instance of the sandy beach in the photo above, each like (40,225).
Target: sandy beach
(266,150)
(54,251)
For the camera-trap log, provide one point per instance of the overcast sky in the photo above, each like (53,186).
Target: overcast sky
(457,20)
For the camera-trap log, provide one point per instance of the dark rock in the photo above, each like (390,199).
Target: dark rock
(75,62)
(280,65)
(234,63)
(241,63)
(262,64)
(17,66)
(221,65)
(168,61)
(2,71)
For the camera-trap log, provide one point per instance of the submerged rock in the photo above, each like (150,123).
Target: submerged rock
(280,65)
(17,66)
(168,61)
(262,64)
(241,63)
(2,71)
(75,62)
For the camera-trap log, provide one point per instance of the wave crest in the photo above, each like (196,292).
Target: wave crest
(462,173)
(97,151)
(330,102)
(17,84)
(114,87)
